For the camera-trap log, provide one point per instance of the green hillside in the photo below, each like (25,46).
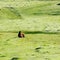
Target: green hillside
(40,23)
(30,16)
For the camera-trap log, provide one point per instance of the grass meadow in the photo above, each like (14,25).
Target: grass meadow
(40,22)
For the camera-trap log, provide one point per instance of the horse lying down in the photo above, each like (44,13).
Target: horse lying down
(21,35)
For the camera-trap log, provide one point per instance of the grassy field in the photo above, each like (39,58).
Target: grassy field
(25,48)
(39,20)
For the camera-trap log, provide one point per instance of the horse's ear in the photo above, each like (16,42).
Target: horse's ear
(19,34)
(19,31)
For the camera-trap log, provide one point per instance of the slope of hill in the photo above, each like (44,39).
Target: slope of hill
(39,20)
(30,16)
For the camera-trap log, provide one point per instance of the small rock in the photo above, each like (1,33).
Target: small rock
(14,58)
(58,4)
(37,49)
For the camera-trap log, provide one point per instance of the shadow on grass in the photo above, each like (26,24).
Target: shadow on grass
(31,32)
(40,32)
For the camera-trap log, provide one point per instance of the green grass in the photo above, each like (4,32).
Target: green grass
(12,46)
(39,20)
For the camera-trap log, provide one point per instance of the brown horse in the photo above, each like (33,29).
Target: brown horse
(20,34)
